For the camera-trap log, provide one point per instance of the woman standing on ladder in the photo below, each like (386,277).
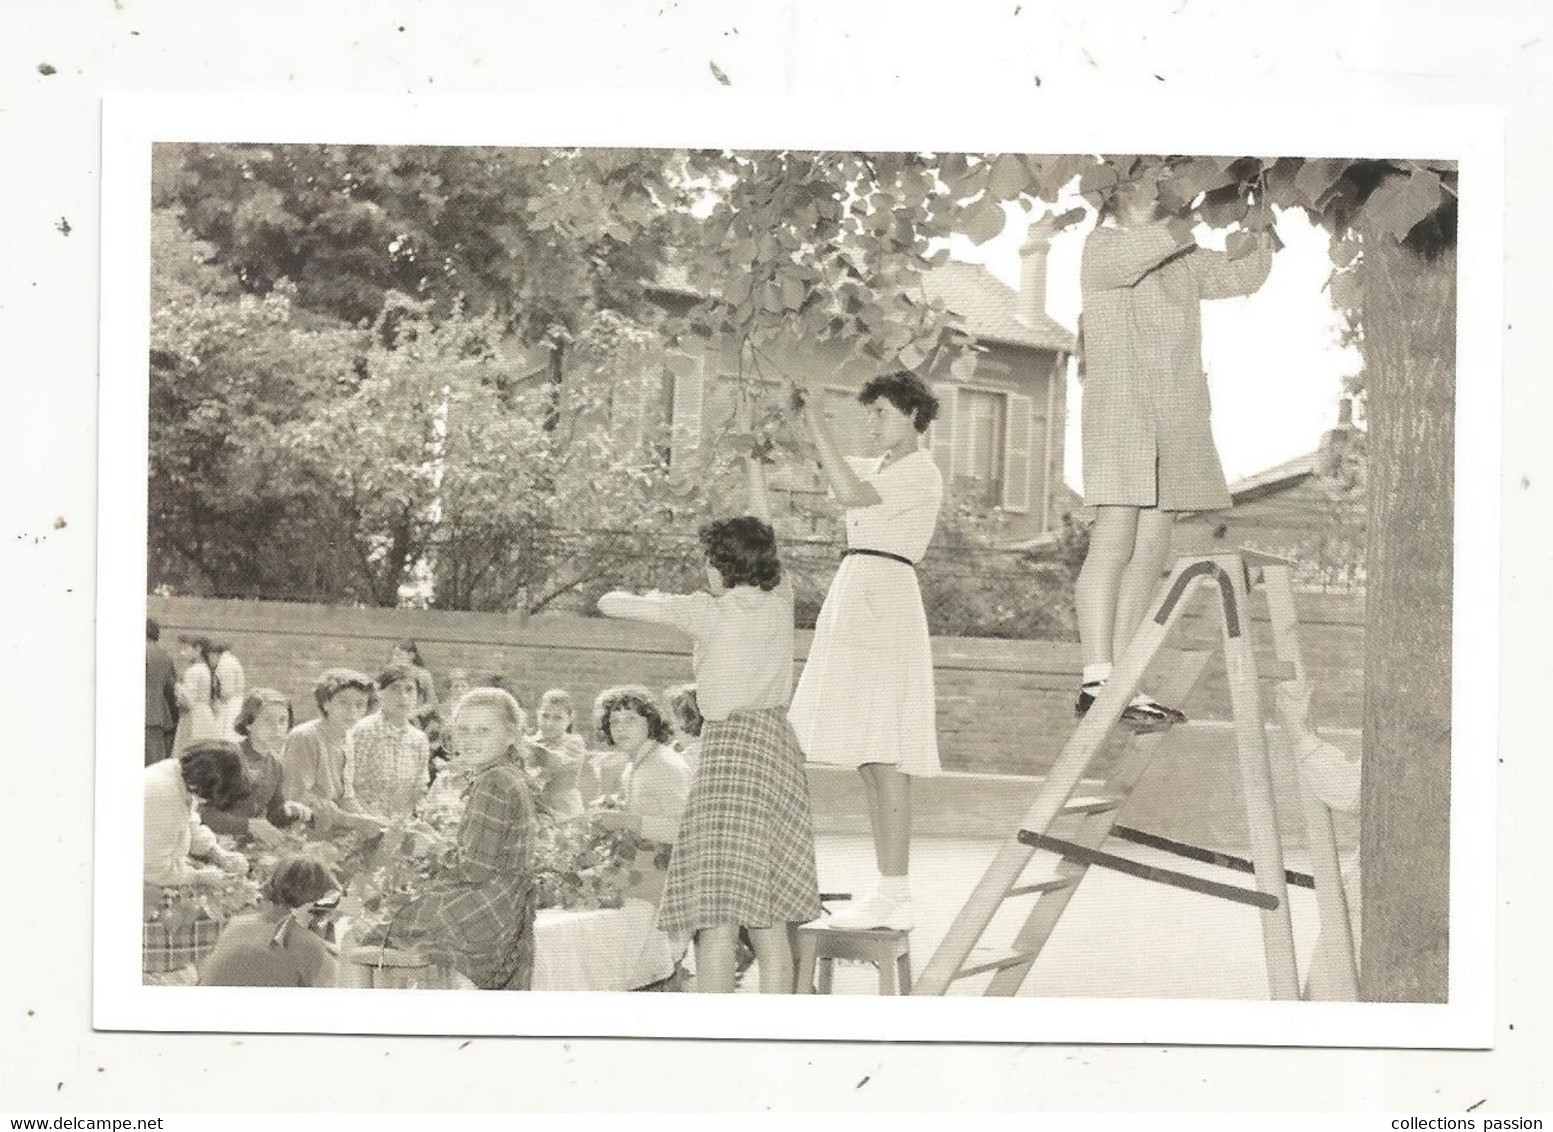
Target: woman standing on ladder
(865,698)
(1148,443)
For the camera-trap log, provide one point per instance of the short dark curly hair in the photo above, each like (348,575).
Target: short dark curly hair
(907,392)
(743,550)
(213,771)
(631,697)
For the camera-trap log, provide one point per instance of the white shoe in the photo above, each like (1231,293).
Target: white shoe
(873,911)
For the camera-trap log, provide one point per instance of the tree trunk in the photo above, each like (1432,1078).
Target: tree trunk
(1410,369)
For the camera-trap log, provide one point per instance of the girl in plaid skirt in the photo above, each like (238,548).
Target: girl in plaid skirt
(1148,445)
(480,915)
(744,856)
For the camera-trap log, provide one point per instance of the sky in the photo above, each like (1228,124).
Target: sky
(1275,368)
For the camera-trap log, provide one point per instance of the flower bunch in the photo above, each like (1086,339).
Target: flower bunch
(217,898)
(579,866)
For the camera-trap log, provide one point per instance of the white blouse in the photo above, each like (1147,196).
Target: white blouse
(173,830)
(743,652)
(910,493)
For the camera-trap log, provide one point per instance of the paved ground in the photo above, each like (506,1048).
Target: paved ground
(1120,937)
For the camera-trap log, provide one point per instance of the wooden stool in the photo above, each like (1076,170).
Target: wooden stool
(886,948)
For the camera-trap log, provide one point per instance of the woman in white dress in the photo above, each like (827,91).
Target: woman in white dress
(230,689)
(866,698)
(196,711)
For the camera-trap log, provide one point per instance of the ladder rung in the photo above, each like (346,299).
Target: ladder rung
(984,959)
(1050,884)
(1098,858)
(1091,804)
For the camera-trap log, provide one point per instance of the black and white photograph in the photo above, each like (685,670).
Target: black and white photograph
(706,556)
(876,572)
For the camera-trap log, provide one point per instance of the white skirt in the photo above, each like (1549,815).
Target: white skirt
(866,693)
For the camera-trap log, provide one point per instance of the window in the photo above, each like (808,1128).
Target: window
(983,442)
(981,459)
(681,396)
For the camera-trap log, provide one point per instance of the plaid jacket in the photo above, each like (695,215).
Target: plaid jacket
(1147,437)
(485,910)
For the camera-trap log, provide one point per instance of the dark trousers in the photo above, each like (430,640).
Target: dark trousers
(159,744)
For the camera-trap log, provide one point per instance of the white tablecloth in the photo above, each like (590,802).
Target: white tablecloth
(611,949)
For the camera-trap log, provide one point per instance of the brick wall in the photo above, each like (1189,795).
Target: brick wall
(1003,706)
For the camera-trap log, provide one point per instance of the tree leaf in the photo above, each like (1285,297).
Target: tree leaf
(1316,178)
(793,293)
(1224,206)
(1238,245)
(1096,178)
(1399,203)
(1180,229)
(1007,179)
(984,222)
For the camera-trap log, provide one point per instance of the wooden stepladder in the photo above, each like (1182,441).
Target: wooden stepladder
(1073,828)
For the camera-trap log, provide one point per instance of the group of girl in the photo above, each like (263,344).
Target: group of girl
(740,818)
(744,855)
(362,763)
(209,692)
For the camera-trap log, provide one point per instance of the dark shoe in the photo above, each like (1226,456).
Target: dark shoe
(1155,709)
(1139,717)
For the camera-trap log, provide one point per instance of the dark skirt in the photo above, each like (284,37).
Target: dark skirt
(745,851)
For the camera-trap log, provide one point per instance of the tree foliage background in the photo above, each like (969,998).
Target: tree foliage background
(384,374)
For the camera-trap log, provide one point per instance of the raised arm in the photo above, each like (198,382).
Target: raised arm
(757,501)
(849,490)
(1219,277)
(1120,257)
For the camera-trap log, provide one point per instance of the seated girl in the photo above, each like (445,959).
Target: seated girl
(180,853)
(263,723)
(313,762)
(388,754)
(271,946)
(555,755)
(654,780)
(211,772)
(479,916)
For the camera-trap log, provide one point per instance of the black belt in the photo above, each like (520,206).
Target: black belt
(904,561)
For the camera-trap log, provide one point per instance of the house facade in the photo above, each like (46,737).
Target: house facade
(999,436)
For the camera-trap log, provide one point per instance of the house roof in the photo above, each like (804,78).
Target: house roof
(988,305)
(990,308)
(1291,472)
(1272,479)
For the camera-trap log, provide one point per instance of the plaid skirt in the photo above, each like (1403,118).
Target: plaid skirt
(745,851)
(172,937)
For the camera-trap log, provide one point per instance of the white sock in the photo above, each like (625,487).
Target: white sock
(1097,674)
(895,888)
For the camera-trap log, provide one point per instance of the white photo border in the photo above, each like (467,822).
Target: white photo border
(1474,138)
